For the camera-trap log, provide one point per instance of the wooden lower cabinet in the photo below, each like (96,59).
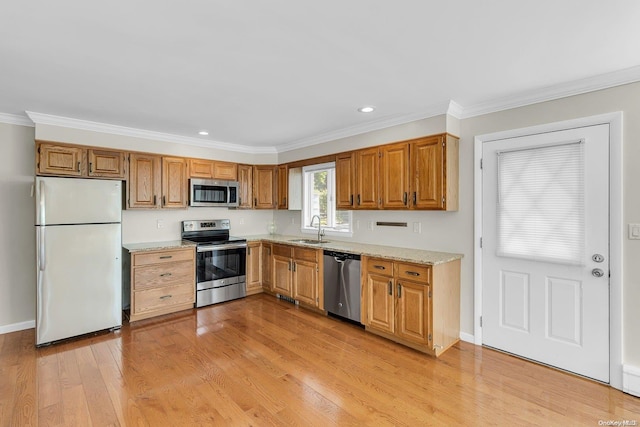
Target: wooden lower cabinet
(296,273)
(159,282)
(254,283)
(416,305)
(267,265)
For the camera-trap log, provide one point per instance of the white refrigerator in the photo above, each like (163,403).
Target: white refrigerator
(79,271)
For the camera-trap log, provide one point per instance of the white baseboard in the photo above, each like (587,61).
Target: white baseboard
(29,324)
(631,380)
(467,337)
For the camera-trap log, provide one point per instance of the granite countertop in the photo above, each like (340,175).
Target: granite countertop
(157,246)
(400,254)
(420,256)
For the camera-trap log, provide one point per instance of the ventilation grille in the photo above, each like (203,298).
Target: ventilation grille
(287,299)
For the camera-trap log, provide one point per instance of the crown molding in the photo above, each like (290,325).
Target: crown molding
(370,126)
(549,93)
(48,119)
(14,119)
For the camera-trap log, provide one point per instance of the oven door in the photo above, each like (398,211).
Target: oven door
(206,192)
(219,265)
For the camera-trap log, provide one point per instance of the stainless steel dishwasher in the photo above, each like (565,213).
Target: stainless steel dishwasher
(342,284)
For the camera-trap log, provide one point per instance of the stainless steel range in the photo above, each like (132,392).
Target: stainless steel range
(220,261)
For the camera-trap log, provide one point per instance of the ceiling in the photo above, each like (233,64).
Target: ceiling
(271,75)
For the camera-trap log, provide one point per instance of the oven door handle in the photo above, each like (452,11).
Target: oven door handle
(211,248)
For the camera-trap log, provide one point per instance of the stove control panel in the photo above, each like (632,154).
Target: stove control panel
(206,224)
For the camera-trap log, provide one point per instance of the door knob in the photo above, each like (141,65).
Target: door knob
(597,272)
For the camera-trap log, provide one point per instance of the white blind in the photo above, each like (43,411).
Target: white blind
(541,203)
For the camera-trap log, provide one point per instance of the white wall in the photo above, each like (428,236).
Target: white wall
(17,231)
(446,231)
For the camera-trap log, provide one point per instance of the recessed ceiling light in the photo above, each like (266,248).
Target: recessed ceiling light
(203,133)
(367,109)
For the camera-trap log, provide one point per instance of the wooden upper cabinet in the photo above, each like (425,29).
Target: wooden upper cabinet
(394,176)
(144,184)
(434,173)
(213,169)
(225,170)
(264,187)
(60,160)
(106,163)
(175,190)
(283,187)
(367,165)
(199,168)
(245,191)
(345,176)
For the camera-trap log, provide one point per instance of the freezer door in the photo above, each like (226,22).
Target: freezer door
(79,286)
(77,201)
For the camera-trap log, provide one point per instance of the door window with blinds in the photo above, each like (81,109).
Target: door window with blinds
(540,206)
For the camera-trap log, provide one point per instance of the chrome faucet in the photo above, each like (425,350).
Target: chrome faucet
(320,231)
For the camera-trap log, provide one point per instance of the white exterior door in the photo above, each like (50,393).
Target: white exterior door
(545,252)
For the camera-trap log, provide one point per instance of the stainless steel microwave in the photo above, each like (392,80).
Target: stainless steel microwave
(209,192)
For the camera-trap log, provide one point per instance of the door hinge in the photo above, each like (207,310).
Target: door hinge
(430,337)
(481,242)
(481,321)
(480,163)
(429,293)
(444,200)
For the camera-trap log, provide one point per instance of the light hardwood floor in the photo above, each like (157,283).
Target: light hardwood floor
(260,361)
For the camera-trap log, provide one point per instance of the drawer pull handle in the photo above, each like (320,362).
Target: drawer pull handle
(390,288)
(166,296)
(166,257)
(165,274)
(412,273)
(399,290)
(380,267)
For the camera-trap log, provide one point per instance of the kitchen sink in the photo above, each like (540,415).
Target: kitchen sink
(309,241)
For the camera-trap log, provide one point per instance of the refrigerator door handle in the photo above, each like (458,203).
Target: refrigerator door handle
(42,226)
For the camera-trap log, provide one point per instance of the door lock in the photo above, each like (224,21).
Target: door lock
(597,258)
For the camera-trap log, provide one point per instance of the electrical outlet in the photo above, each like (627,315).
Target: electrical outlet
(370,225)
(160,223)
(417,227)
(634,231)
(241,221)
(357,224)
(293,220)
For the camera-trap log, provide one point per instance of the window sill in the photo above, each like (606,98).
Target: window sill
(327,232)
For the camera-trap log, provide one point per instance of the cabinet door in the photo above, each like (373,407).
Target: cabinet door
(345,176)
(60,160)
(427,173)
(380,300)
(281,275)
(267,266)
(106,163)
(199,168)
(245,192)
(143,186)
(283,187)
(253,268)
(413,311)
(305,282)
(367,179)
(264,187)
(174,182)
(225,170)
(394,176)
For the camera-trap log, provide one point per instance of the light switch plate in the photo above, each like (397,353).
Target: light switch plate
(160,223)
(634,231)
(417,227)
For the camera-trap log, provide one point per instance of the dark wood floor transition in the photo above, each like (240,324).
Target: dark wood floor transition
(260,361)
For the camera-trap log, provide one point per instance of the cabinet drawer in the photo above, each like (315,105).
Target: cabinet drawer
(154,299)
(282,250)
(146,258)
(305,254)
(153,276)
(380,266)
(414,272)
